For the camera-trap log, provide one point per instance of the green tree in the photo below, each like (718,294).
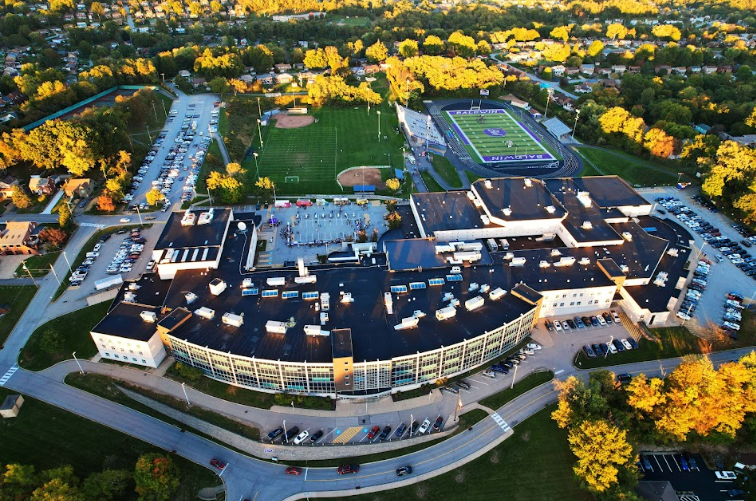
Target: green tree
(51,342)
(433,45)
(377,52)
(227,188)
(154,196)
(156,477)
(106,485)
(17,481)
(408,48)
(218,85)
(57,490)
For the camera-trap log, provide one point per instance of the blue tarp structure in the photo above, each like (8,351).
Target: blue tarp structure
(367,188)
(399,174)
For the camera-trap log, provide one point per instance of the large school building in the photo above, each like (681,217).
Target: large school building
(488,264)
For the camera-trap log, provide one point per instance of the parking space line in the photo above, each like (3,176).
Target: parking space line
(665,460)
(676,463)
(657,463)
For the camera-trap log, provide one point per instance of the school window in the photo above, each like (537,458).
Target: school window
(572,303)
(561,304)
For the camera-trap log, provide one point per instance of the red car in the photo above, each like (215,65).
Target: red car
(349,468)
(373,432)
(293,470)
(217,463)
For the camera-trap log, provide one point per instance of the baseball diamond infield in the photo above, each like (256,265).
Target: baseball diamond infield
(354,177)
(284,121)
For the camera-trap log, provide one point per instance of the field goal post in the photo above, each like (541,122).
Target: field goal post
(475,107)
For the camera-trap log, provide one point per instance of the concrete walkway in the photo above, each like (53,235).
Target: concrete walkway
(54,200)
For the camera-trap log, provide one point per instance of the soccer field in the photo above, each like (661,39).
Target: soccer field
(308,159)
(493,136)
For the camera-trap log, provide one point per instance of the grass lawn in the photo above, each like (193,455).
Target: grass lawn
(17,298)
(446,170)
(47,437)
(213,161)
(430,183)
(634,170)
(106,387)
(348,20)
(74,329)
(39,266)
(249,397)
(472,177)
(535,463)
(308,159)
(675,342)
(498,399)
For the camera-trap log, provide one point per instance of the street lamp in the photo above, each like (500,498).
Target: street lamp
(183,387)
(259,111)
(259,133)
(611,338)
(550,92)
(81,369)
(514,376)
(257,168)
(379,125)
(577,115)
(284,423)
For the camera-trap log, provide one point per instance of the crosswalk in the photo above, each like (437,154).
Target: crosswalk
(92,225)
(8,375)
(500,421)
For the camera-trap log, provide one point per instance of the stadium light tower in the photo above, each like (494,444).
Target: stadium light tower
(550,93)
(257,168)
(577,115)
(259,133)
(379,125)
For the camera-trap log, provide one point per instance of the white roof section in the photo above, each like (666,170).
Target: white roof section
(556,127)
(417,124)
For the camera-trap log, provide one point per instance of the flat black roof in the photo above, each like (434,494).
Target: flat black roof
(174,318)
(526,202)
(611,268)
(148,289)
(446,211)
(177,236)
(411,254)
(610,191)
(124,320)
(565,190)
(341,343)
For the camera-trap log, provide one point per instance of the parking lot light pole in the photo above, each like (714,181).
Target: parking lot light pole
(611,338)
(140,216)
(67,262)
(257,167)
(284,436)
(183,387)
(514,376)
(412,420)
(81,369)
(259,133)
(379,125)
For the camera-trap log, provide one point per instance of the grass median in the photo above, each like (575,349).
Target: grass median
(526,384)
(534,463)
(632,169)
(446,170)
(37,266)
(48,437)
(55,340)
(673,342)
(430,182)
(16,298)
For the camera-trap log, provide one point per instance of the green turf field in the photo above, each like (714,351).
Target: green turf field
(496,137)
(308,159)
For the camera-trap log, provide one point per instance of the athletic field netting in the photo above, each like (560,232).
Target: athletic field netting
(494,136)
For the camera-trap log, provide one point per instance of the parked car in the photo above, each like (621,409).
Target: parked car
(463,384)
(589,351)
(316,436)
(400,430)
(624,378)
(414,427)
(725,475)
(291,433)
(301,437)
(373,432)
(626,344)
(217,463)
(437,424)
(423,427)
(385,433)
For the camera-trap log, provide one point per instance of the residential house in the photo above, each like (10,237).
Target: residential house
(619,68)
(587,69)
(558,71)
(709,70)
(284,78)
(7,185)
(42,185)
(535,113)
(634,70)
(702,128)
(81,187)
(17,238)
(583,88)
(572,70)
(282,67)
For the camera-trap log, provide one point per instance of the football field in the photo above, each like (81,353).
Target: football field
(494,136)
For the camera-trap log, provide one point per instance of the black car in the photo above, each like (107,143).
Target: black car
(572,324)
(437,424)
(404,470)
(633,343)
(414,427)
(275,433)
(617,344)
(624,378)
(105,237)
(385,433)
(597,350)
(316,436)
(607,317)
(291,433)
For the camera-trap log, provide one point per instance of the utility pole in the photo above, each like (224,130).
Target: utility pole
(550,92)
(148,133)
(259,110)
(30,275)
(56,275)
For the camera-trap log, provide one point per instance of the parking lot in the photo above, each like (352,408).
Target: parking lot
(688,475)
(293,232)
(711,231)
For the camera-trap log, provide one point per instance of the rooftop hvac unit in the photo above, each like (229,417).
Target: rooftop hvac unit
(544,264)
(507,211)
(276,281)
(205,313)
(477,202)
(247,283)
(346,298)
(308,279)
(454,302)
(129,297)
(497,293)
(518,261)
(625,268)
(301,267)
(487,184)
(467,256)
(190,297)
(474,303)
(469,246)
(325,301)
(448,296)
(584,261)
(528,182)
(446,313)
(674,252)
(407,323)
(315,330)
(188,219)
(275,327)
(473,287)
(205,217)
(485,219)
(324,317)
(555,252)
(233,319)
(550,209)
(418,314)
(587,225)
(485,288)
(217,286)
(389,302)
(565,261)
(504,243)
(444,248)
(134,286)
(627,236)
(149,316)
(584,198)
(509,255)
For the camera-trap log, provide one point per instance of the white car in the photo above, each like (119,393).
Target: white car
(424,427)
(558,325)
(489,373)
(626,344)
(301,437)
(124,220)
(534,346)
(616,317)
(97,248)
(612,348)
(725,475)
(601,320)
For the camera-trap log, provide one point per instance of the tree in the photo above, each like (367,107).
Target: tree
(156,477)
(461,44)
(57,490)
(56,237)
(106,485)
(21,198)
(595,48)
(433,45)
(408,48)
(659,143)
(17,480)
(600,448)
(218,85)
(105,203)
(377,52)
(65,218)
(751,120)
(51,342)
(644,394)
(237,85)
(264,183)
(154,196)
(393,184)
(616,30)
(229,189)
(558,52)
(666,31)
(188,372)
(234,169)
(259,57)
(394,220)
(561,32)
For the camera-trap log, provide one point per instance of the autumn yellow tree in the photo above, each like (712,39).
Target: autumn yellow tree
(601,448)
(234,169)
(659,143)
(377,52)
(264,183)
(393,184)
(154,196)
(645,395)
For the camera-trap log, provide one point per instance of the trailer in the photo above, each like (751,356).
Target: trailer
(109,282)
(282,204)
